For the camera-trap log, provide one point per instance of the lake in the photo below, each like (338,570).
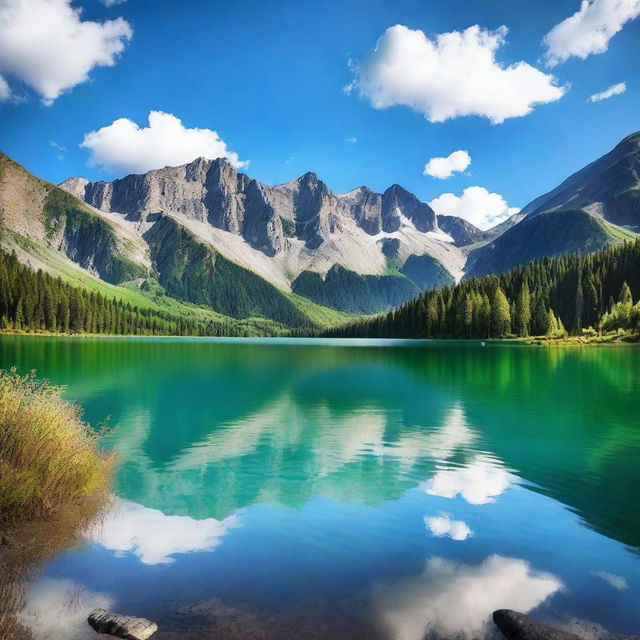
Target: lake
(350,489)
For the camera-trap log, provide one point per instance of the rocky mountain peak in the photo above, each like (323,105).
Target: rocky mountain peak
(397,202)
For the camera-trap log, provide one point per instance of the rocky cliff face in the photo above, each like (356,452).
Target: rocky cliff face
(281,231)
(209,191)
(462,231)
(212,191)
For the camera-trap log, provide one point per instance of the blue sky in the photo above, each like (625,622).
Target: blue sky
(269,78)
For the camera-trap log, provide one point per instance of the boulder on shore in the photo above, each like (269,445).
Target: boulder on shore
(519,626)
(127,627)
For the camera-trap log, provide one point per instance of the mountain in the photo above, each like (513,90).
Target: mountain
(608,188)
(548,234)
(344,251)
(33,212)
(461,231)
(164,267)
(203,238)
(596,206)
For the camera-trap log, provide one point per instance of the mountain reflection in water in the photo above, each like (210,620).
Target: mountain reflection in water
(378,491)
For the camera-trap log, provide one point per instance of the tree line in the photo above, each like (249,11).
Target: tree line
(553,296)
(36,301)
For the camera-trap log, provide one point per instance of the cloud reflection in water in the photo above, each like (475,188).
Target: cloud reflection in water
(479,482)
(452,599)
(442,525)
(155,537)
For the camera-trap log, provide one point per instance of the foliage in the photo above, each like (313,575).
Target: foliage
(35,301)
(553,296)
(48,457)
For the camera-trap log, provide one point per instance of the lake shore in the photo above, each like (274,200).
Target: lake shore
(613,339)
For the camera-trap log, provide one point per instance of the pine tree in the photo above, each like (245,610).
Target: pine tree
(523,310)
(500,316)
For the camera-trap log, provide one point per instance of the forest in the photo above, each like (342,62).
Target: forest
(36,301)
(573,294)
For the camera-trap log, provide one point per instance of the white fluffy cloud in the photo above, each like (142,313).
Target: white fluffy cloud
(155,537)
(442,525)
(589,29)
(47,45)
(477,483)
(613,90)
(454,74)
(445,167)
(477,205)
(124,146)
(455,600)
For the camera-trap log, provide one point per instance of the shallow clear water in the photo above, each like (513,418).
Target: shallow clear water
(351,489)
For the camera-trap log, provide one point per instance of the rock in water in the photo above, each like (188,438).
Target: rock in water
(518,626)
(126,627)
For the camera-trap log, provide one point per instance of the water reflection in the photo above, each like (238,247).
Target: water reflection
(615,582)
(455,480)
(455,600)
(478,482)
(57,610)
(154,537)
(443,526)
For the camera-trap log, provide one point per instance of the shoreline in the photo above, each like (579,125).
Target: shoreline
(612,340)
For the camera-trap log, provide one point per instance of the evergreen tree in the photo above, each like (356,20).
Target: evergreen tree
(500,315)
(523,310)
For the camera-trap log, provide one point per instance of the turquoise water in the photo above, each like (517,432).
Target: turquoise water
(361,489)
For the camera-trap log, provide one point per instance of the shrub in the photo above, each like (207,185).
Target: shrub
(49,460)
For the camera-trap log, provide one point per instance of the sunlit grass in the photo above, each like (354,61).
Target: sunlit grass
(49,460)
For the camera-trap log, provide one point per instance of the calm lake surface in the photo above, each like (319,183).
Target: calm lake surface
(365,489)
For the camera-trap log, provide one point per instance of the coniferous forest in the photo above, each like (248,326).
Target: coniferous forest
(36,301)
(555,296)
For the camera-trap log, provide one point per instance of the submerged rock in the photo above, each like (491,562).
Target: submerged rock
(127,627)
(518,626)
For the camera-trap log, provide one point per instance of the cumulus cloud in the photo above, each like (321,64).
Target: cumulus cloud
(155,537)
(615,582)
(482,208)
(47,45)
(613,90)
(589,29)
(443,526)
(446,167)
(477,483)
(455,600)
(454,74)
(124,146)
